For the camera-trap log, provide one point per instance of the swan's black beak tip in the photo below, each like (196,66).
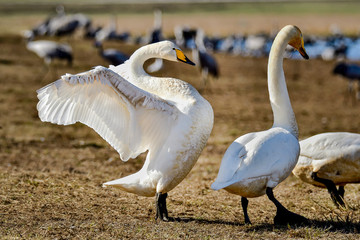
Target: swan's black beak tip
(303,53)
(186,60)
(190,62)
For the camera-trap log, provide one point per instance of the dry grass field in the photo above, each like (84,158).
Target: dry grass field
(51,176)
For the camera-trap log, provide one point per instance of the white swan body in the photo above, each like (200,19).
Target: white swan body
(259,160)
(256,161)
(334,156)
(135,112)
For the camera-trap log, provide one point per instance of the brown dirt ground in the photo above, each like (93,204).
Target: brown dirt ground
(51,176)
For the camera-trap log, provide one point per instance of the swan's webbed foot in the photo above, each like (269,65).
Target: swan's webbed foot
(244,204)
(284,216)
(336,196)
(161,210)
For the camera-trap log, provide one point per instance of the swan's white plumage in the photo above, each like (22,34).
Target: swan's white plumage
(256,157)
(259,160)
(334,156)
(136,112)
(110,105)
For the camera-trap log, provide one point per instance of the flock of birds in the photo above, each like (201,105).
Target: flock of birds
(62,24)
(136,112)
(336,46)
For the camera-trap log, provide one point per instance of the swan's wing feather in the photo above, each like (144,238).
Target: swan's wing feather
(129,119)
(331,146)
(232,160)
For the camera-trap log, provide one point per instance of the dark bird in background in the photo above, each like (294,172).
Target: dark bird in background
(62,24)
(48,50)
(204,60)
(110,32)
(185,36)
(351,72)
(113,56)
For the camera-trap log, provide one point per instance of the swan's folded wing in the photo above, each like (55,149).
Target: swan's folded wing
(332,145)
(129,119)
(232,161)
(257,155)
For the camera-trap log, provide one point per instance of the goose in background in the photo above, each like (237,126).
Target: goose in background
(257,162)
(330,159)
(204,60)
(135,112)
(48,50)
(111,55)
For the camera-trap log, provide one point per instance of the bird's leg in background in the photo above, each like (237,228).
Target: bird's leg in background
(244,204)
(331,187)
(204,76)
(44,72)
(284,216)
(54,72)
(341,191)
(161,210)
(357,90)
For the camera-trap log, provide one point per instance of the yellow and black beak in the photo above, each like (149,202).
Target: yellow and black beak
(302,51)
(182,58)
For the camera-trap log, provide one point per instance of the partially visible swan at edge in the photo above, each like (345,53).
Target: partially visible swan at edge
(330,159)
(257,162)
(134,113)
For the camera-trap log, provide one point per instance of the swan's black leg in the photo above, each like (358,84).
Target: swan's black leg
(244,204)
(161,210)
(341,191)
(331,187)
(284,216)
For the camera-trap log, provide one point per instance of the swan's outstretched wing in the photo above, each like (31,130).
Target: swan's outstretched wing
(129,119)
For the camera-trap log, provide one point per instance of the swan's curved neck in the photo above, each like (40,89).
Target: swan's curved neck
(279,97)
(138,59)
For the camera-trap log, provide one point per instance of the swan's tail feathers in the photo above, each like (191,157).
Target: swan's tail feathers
(123,184)
(133,184)
(114,183)
(218,185)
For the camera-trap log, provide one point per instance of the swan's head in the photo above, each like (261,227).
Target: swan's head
(170,51)
(297,41)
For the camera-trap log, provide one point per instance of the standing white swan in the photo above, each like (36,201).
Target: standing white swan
(330,159)
(257,162)
(165,116)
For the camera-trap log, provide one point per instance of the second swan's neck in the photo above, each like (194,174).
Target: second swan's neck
(279,97)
